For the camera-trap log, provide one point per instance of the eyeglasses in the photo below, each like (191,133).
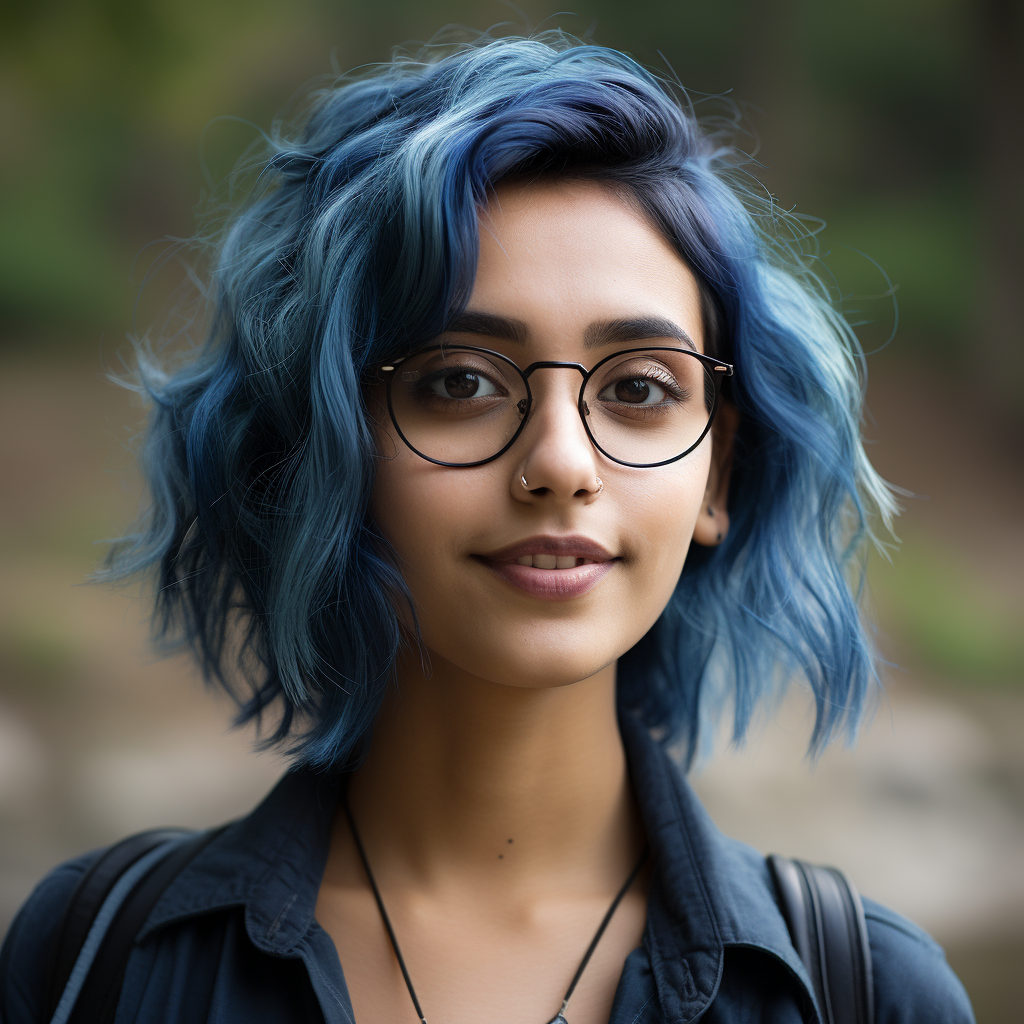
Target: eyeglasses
(457,405)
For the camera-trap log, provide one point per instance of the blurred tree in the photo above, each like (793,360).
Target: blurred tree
(999,333)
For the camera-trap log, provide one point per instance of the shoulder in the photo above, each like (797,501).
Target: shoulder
(913,981)
(25,956)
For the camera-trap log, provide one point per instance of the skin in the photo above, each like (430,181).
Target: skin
(495,803)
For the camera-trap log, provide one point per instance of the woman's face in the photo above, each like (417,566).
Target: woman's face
(560,261)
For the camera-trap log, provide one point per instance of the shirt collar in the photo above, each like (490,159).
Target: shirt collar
(709,892)
(270,862)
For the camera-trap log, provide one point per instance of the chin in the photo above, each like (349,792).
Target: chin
(534,661)
(542,677)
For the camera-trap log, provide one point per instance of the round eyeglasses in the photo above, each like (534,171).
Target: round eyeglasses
(457,405)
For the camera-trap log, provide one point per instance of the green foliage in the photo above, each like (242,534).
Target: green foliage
(929,260)
(948,618)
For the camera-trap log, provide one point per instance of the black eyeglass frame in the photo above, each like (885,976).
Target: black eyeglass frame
(720,370)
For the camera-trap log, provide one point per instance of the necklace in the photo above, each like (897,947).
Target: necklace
(559,1017)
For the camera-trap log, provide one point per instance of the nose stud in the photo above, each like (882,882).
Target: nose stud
(526,486)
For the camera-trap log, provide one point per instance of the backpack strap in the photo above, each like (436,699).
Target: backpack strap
(89,896)
(107,910)
(826,923)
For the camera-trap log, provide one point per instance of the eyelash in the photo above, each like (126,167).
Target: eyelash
(424,384)
(662,378)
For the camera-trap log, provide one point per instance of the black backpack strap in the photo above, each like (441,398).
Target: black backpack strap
(97,1001)
(90,894)
(99,992)
(826,923)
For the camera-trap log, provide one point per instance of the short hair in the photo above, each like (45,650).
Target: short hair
(358,244)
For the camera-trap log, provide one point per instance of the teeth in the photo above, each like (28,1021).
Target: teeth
(553,561)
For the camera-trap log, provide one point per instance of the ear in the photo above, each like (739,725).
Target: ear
(713,519)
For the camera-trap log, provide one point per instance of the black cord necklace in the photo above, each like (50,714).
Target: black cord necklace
(559,1017)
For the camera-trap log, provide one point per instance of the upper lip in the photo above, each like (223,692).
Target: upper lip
(573,544)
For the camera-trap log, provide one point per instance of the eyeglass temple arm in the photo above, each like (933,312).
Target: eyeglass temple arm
(726,368)
(719,367)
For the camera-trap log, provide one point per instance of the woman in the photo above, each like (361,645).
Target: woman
(518,446)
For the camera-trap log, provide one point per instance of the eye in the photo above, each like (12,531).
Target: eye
(634,391)
(462,384)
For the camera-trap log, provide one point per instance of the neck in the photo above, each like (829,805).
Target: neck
(492,781)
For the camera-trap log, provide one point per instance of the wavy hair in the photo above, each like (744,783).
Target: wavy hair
(357,244)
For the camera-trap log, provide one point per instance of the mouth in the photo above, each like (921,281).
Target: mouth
(551,568)
(538,561)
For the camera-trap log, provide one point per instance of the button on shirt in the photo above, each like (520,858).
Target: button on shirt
(233,939)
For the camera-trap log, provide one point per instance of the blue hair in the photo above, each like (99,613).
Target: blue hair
(358,244)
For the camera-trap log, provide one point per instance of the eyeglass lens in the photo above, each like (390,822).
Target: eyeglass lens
(462,406)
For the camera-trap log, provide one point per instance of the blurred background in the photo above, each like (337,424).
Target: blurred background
(898,122)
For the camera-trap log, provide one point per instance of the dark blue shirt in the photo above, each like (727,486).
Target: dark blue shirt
(233,940)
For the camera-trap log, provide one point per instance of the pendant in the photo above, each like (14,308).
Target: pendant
(558,1019)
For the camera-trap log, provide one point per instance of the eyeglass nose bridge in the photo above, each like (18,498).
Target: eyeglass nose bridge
(553,364)
(525,404)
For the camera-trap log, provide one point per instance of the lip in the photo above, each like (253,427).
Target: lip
(551,584)
(571,544)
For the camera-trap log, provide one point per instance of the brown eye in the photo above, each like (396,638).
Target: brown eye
(462,384)
(634,391)
(640,392)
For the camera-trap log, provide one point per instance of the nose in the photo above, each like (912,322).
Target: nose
(556,458)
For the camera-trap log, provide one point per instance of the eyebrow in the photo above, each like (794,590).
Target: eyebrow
(638,328)
(601,332)
(490,325)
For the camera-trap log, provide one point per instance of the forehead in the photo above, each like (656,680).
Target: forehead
(560,254)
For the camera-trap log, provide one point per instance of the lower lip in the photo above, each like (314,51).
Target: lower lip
(551,584)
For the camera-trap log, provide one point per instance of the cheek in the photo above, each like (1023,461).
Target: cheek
(426,512)
(407,524)
(662,511)
(401,504)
